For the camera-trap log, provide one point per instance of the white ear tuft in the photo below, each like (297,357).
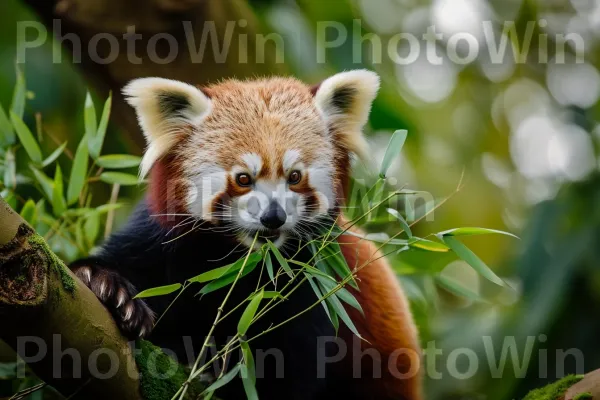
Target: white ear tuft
(165,110)
(345,101)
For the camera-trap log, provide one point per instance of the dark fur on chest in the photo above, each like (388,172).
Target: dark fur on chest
(149,255)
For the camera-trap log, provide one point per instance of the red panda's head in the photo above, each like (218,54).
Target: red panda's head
(268,155)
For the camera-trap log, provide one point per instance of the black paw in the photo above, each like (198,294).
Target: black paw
(134,318)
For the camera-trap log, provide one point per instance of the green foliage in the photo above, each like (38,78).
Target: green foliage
(554,391)
(53,192)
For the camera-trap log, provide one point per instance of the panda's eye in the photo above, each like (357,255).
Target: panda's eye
(243,179)
(294,177)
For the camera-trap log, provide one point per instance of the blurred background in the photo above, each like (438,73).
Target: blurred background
(522,127)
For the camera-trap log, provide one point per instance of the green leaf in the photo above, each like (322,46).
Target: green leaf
(249,385)
(393,150)
(17,105)
(79,172)
(341,312)
(10,169)
(400,218)
(225,379)
(54,156)
(230,276)
(26,138)
(7,132)
(89,118)
(250,372)
(45,182)
(271,294)
(29,212)
(118,161)
(471,258)
(213,274)
(334,258)
(319,295)
(96,141)
(269,264)
(158,291)
(79,235)
(456,288)
(104,208)
(249,313)
(119,178)
(91,229)
(282,261)
(469,231)
(59,205)
(342,293)
(428,245)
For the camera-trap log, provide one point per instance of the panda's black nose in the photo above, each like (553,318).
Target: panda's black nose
(274,216)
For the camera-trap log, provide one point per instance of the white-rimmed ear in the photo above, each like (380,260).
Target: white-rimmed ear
(345,101)
(165,110)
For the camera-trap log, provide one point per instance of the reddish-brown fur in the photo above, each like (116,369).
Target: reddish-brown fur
(261,120)
(387,325)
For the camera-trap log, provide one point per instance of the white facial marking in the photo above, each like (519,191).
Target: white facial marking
(320,178)
(253,162)
(289,159)
(205,186)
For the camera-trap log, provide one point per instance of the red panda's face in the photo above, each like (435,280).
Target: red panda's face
(265,156)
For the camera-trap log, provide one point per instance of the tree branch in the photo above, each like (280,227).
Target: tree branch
(46,310)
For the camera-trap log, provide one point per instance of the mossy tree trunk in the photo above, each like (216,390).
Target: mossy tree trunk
(45,310)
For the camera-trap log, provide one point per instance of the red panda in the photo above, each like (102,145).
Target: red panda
(224,162)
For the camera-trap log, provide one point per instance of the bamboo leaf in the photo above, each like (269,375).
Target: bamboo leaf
(26,138)
(249,386)
(250,372)
(212,274)
(470,231)
(29,212)
(336,261)
(342,293)
(393,150)
(282,261)
(79,172)
(249,313)
(271,294)
(341,312)
(158,291)
(330,312)
(119,178)
(7,132)
(54,156)
(104,208)
(230,276)
(17,105)
(456,288)
(269,265)
(97,141)
(118,161)
(225,379)
(10,169)
(46,183)
(428,245)
(471,258)
(401,220)
(59,204)
(89,118)
(91,229)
